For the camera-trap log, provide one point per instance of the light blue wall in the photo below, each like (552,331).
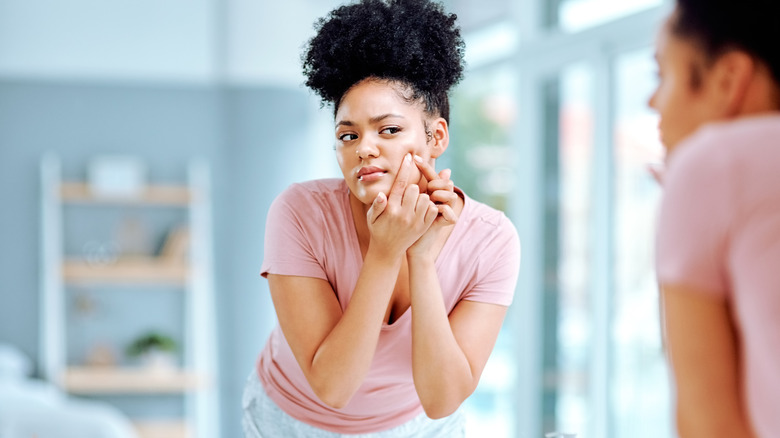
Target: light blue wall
(244,133)
(267,132)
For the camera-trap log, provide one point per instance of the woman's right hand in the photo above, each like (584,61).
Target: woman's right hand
(398,220)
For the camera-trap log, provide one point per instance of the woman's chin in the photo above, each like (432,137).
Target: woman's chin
(367,195)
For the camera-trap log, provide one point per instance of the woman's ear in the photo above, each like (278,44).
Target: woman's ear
(733,75)
(440,137)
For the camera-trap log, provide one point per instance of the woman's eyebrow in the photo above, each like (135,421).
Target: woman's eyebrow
(372,120)
(377,119)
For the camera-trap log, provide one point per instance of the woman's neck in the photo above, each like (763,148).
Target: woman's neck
(359,212)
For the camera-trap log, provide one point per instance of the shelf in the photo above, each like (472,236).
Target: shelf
(161,429)
(141,270)
(183,265)
(108,380)
(77,192)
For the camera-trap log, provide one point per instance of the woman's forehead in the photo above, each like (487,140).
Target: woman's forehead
(671,47)
(374,98)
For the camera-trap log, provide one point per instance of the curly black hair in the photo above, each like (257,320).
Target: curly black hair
(413,42)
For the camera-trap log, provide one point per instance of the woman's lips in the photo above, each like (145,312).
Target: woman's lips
(370,174)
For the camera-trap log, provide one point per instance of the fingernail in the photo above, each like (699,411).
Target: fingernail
(418,159)
(408,158)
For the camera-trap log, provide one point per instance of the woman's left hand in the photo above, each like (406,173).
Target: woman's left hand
(441,191)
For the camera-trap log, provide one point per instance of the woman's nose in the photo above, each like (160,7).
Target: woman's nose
(651,99)
(367,148)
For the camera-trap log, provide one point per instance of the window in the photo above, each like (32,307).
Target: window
(567,298)
(575,15)
(551,126)
(482,128)
(640,393)
(483,160)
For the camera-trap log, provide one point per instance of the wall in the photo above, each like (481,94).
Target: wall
(165,81)
(244,133)
(174,40)
(275,138)
(191,41)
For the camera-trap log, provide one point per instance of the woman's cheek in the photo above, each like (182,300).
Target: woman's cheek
(341,162)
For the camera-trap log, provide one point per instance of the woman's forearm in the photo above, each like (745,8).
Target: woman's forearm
(443,376)
(344,357)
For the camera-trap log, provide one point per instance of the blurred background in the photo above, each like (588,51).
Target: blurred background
(141,143)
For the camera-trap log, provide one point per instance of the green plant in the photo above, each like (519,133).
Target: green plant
(151,341)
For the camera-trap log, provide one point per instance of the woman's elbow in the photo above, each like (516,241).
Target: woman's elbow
(333,397)
(437,414)
(439,409)
(445,401)
(335,402)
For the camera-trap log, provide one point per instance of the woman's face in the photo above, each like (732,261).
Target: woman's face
(375,129)
(682,101)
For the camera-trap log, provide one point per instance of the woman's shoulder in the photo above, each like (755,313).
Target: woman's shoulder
(719,152)
(481,225)
(732,137)
(322,191)
(481,213)
(325,187)
(760,126)
(311,199)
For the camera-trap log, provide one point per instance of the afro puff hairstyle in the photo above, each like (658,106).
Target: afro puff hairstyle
(413,42)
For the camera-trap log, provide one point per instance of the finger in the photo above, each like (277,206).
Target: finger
(427,171)
(421,203)
(377,207)
(423,184)
(443,197)
(441,184)
(410,196)
(445,174)
(431,213)
(401,179)
(447,213)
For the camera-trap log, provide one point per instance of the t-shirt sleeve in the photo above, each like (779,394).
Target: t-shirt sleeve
(498,268)
(290,238)
(694,220)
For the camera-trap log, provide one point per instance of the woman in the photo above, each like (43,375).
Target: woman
(390,285)
(719,232)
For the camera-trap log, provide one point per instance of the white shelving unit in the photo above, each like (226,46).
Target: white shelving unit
(196,379)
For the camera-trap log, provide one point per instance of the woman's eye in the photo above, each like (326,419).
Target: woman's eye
(390,130)
(347,137)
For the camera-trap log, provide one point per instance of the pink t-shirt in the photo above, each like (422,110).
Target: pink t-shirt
(719,231)
(310,232)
